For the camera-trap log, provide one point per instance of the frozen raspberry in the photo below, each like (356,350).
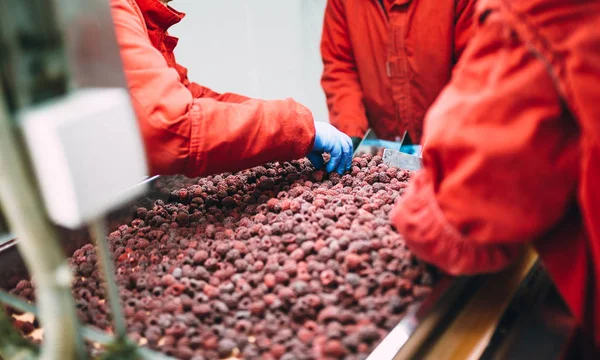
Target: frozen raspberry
(210,291)
(329,313)
(270,280)
(318,175)
(327,277)
(257,308)
(153,334)
(200,257)
(281,277)
(226,347)
(320,244)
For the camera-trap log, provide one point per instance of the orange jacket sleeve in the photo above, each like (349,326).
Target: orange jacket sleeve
(464,28)
(340,80)
(500,160)
(198,135)
(199,91)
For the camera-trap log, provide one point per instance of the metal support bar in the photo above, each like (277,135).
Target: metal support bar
(107,268)
(39,246)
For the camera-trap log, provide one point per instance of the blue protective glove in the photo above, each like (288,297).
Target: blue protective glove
(411,149)
(330,140)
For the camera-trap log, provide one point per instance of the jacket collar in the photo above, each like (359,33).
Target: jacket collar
(158,16)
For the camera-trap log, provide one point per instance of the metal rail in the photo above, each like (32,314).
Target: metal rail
(39,246)
(88,332)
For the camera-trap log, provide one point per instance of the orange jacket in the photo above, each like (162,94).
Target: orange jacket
(190,129)
(384,67)
(512,152)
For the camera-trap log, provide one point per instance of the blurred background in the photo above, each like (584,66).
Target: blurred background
(231,46)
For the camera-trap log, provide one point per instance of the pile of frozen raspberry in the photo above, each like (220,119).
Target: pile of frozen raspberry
(275,262)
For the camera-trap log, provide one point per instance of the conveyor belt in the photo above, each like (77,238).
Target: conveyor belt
(459,320)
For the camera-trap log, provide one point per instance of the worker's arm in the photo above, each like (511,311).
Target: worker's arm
(198,136)
(500,161)
(464,27)
(340,79)
(199,91)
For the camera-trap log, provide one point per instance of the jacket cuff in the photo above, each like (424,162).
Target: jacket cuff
(420,220)
(307,143)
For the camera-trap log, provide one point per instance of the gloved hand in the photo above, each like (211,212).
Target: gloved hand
(330,140)
(355,142)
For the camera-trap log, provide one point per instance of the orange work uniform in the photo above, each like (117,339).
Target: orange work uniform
(385,61)
(190,129)
(512,152)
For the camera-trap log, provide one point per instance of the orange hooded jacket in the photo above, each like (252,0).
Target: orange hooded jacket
(512,152)
(187,128)
(385,61)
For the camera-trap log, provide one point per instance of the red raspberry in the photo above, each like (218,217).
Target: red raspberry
(270,280)
(387,280)
(335,349)
(285,293)
(281,277)
(363,348)
(318,175)
(153,334)
(330,313)
(257,308)
(277,350)
(183,194)
(319,203)
(353,261)
(319,244)
(305,335)
(210,342)
(258,265)
(210,291)
(168,280)
(327,277)
(200,257)
(273,205)
(270,299)
(201,309)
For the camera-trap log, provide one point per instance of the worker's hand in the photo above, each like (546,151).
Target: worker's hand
(355,142)
(330,140)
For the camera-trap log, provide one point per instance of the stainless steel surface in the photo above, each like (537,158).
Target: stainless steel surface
(402,160)
(368,135)
(423,320)
(371,144)
(536,324)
